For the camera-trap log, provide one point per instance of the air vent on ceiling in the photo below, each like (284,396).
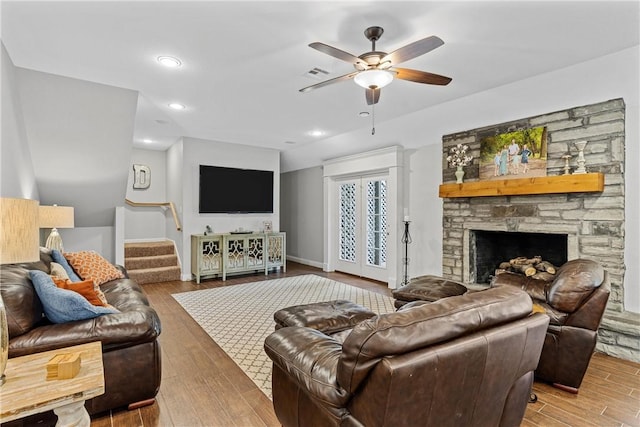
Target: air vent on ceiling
(317,73)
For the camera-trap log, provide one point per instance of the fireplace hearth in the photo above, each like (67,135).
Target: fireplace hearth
(489,248)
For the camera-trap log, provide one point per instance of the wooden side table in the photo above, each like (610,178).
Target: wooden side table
(27,391)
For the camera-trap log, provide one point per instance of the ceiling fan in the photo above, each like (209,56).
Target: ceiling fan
(376,69)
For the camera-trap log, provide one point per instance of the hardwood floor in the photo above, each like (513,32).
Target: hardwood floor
(202,386)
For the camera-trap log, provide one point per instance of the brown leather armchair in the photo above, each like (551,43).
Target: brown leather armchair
(464,360)
(575,302)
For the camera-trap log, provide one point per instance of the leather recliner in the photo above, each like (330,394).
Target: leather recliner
(464,360)
(575,302)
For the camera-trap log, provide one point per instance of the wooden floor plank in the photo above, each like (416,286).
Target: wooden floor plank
(627,417)
(534,417)
(202,386)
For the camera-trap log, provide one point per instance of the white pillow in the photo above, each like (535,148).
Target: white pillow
(59,271)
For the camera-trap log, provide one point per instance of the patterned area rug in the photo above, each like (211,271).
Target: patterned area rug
(240,317)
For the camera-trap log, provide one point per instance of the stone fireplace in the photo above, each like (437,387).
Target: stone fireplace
(558,225)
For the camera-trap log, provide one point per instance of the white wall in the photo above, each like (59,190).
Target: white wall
(425,210)
(147,222)
(174,188)
(17,177)
(196,152)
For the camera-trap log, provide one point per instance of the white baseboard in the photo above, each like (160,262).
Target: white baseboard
(304,261)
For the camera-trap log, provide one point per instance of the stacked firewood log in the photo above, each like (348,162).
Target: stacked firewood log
(534,267)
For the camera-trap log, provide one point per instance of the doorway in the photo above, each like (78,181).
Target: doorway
(362,227)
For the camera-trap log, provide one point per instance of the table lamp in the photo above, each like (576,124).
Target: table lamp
(19,242)
(55,217)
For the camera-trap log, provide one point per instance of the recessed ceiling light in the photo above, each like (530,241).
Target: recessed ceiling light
(363,114)
(177,106)
(147,141)
(316,133)
(289,142)
(169,61)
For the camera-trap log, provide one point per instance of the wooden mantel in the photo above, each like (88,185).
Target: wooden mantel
(583,183)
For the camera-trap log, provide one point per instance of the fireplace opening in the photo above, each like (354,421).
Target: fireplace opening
(489,248)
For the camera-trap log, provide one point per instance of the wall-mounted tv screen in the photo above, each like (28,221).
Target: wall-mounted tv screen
(233,190)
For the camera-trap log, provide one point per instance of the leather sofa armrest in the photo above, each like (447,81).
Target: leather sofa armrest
(310,359)
(118,330)
(590,313)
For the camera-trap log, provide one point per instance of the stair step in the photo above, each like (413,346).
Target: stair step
(140,249)
(138,263)
(155,275)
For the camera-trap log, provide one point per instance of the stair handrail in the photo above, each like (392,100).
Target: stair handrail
(158,204)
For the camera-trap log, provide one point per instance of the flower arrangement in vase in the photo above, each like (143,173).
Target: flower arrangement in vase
(459,159)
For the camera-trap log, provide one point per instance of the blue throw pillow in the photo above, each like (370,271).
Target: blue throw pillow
(60,259)
(63,305)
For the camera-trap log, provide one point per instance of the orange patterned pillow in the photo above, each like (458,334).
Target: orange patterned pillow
(86,288)
(92,266)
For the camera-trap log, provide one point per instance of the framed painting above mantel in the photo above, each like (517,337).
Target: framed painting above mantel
(517,154)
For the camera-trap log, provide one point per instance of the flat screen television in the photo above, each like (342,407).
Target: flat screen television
(233,190)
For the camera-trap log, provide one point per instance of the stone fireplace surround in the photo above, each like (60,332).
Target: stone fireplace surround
(592,222)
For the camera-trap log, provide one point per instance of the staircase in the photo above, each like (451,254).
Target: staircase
(151,262)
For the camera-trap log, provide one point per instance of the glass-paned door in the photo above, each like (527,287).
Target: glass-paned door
(362,227)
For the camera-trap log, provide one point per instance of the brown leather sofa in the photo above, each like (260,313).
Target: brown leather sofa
(465,361)
(575,302)
(131,352)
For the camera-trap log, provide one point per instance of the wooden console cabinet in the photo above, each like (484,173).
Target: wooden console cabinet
(217,255)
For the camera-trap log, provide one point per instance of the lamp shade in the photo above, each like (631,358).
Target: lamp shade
(19,233)
(373,78)
(56,216)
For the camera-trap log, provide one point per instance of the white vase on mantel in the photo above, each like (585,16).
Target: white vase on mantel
(581,161)
(459,174)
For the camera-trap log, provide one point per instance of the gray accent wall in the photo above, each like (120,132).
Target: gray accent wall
(80,137)
(18,178)
(301,207)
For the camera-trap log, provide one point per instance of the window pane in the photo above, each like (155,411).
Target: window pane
(377,223)
(348,222)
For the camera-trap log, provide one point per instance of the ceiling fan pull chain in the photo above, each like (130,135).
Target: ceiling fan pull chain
(373,119)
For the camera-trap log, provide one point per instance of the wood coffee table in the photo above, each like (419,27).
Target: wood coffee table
(27,391)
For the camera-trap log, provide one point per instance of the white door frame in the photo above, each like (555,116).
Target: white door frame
(387,161)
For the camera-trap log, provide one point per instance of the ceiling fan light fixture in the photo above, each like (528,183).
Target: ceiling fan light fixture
(375,78)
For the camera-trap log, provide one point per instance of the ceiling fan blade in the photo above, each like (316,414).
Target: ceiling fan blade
(337,53)
(413,50)
(372,95)
(330,81)
(421,76)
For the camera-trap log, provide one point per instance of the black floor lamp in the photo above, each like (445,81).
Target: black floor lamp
(406,239)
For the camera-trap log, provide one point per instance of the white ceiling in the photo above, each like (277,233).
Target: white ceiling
(244,62)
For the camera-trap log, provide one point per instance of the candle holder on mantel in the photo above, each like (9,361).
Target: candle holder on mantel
(581,161)
(566,158)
